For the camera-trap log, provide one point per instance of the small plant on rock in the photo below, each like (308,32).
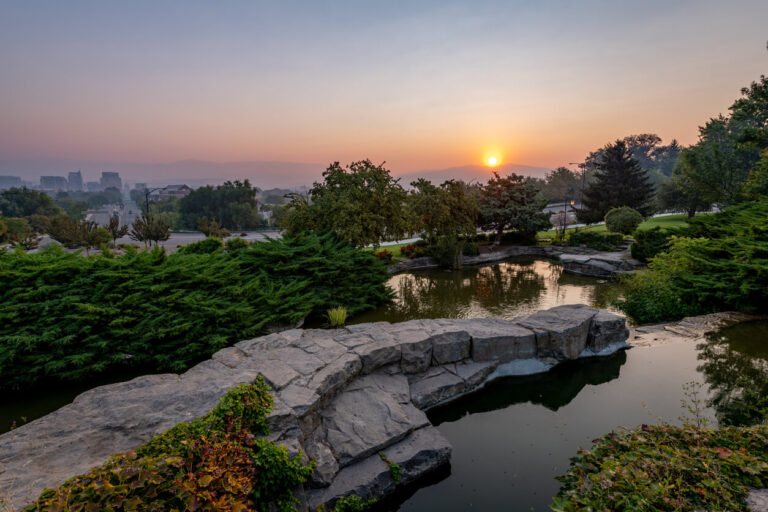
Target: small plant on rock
(337,316)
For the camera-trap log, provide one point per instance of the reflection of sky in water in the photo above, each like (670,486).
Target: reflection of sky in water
(505,290)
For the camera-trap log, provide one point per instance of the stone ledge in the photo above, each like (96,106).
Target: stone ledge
(342,396)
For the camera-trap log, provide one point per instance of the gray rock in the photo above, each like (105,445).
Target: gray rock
(299,398)
(450,346)
(503,343)
(377,354)
(568,328)
(422,452)
(328,381)
(367,417)
(416,349)
(436,388)
(607,329)
(326,465)
(474,373)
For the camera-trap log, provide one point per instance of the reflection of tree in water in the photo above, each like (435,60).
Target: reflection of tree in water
(737,373)
(553,390)
(506,290)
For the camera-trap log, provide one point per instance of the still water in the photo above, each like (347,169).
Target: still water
(514,437)
(503,290)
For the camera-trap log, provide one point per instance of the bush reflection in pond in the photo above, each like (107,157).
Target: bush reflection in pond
(506,290)
(735,365)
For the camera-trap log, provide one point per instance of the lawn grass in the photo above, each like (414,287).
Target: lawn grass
(668,221)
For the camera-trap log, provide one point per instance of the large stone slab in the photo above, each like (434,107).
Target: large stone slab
(422,452)
(567,327)
(371,414)
(502,341)
(606,331)
(436,386)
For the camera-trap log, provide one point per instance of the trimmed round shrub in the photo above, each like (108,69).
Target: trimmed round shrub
(622,220)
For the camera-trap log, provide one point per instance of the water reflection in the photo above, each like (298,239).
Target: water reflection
(552,390)
(735,365)
(505,290)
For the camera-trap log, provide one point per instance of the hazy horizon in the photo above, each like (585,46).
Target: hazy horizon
(142,88)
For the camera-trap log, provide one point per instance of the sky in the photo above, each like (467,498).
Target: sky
(420,85)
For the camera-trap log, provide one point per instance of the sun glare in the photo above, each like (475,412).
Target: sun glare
(492,159)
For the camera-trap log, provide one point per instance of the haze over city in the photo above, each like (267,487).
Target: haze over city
(275,92)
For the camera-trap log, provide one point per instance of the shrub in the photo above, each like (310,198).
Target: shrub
(385,255)
(409,251)
(213,463)
(235,244)
(3,229)
(667,468)
(67,317)
(622,220)
(650,242)
(204,246)
(596,240)
(724,268)
(470,249)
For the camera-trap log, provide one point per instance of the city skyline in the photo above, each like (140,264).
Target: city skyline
(422,87)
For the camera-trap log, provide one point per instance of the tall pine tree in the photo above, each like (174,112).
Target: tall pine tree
(618,181)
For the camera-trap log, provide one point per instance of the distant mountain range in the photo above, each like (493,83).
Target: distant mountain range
(264,174)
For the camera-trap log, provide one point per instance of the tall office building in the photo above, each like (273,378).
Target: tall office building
(75,180)
(7,182)
(53,183)
(111,179)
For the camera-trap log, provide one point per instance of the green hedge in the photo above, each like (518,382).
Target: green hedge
(596,240)
(722,264)
(664,468)
(67,317)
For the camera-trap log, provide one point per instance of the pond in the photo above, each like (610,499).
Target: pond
(512,438)
(504,290)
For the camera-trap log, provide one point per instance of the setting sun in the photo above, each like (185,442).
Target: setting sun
(492,159)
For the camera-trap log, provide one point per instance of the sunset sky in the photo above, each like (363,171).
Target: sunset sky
(422,85)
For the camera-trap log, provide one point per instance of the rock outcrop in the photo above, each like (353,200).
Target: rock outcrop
(577,260)
(342,397)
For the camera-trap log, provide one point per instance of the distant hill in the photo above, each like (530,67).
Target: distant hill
(470,173)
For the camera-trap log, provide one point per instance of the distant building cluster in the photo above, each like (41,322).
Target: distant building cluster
(73,182)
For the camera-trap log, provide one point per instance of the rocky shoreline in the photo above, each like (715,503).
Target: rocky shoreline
(342,397)
(577,260)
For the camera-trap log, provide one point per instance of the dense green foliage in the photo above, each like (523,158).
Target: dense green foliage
(445,215)
(596,240)
(562,185)
(721,264)
(511,203)
(667,469)
(23,202)
(650,242)
(148,229)
(233,204)
(726,164)
(68,317)
(618,181)
(362,204)
(218,462)
(73,233)
(622,220)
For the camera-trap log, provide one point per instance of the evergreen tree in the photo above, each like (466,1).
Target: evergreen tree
(619,181)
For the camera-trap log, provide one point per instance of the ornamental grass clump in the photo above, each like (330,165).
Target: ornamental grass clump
(337,317)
